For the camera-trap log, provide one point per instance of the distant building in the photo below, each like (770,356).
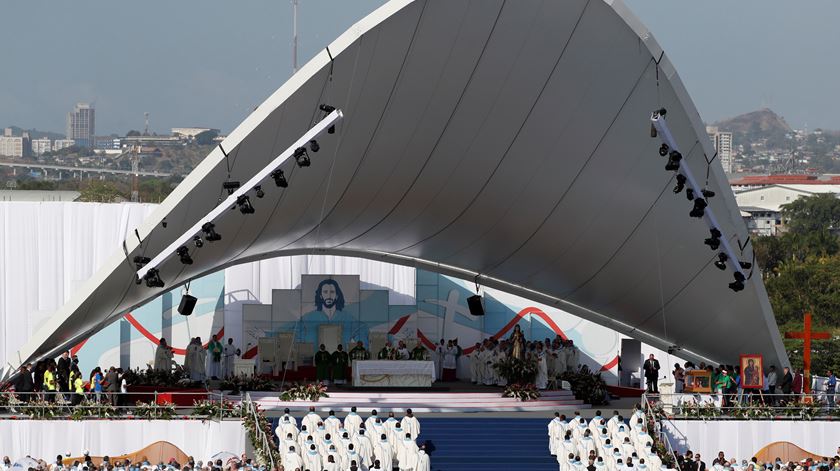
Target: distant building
(81,125)
(107,143)
(14,146)
(41,146)
(190,133)
(723,147)
(761,207)
(38,195)
(59,144)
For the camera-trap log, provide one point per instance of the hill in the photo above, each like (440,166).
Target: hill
(36,134)
(761,125)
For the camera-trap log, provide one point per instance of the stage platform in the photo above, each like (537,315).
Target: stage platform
(424,402)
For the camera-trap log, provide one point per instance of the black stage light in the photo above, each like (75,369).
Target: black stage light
(163,223)
(198,242)
(699,208)
(708,193)
(259,190)
(680,183)
(244,204)
(210,234)
(689,194)
(674,158)
(302,157)
(663,149)
(714,240)
(745,265)
(152,279)
(314,146)
(230,187)
(279,178)
(721,261)
(738,284)
(661,111)
(327,109)
(141,262)
(184,253)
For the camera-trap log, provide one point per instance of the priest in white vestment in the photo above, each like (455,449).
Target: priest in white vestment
(476,364)
(312,459)
(556,430)
(352,422)
(384,453)
(230,352)
(364,447)
(311,420)
(197,356)
(542,368)
(371,421)
(332,423)
(292,460)
(163,356)
(407,456)
(423,462)
(410,424)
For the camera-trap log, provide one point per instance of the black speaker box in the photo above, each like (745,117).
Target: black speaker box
(187,304)
(476,306)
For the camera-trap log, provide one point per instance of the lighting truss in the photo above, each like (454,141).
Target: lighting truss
(329,121)
(658,121)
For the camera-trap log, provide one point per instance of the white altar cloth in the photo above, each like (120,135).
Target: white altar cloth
(393,373)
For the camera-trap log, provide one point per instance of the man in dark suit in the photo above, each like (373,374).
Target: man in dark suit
(651,368)
(24,385)
(699,465)
(63,372)
(787,383)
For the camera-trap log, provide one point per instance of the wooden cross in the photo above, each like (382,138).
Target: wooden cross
(807,335)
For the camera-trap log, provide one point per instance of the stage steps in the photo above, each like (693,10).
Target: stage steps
(424,402)
(488,444)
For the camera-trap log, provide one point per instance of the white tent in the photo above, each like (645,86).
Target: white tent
(504,140)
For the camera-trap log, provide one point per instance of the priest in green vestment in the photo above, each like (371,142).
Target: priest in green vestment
(340,360)
(419,352)
(323,361)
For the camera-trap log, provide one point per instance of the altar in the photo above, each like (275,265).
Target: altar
(393,373)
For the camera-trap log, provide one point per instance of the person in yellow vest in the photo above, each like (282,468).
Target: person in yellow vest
(77,385)
(49,383)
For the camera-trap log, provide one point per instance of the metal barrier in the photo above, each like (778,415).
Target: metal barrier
(66,405)
(250,409)
(658,431)
(741,405)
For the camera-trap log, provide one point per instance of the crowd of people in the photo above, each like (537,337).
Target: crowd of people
(690,461)
(61,380)
(553,357)
(332,444)
(602,444)
(87,463)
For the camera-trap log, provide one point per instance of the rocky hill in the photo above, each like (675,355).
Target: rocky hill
(761,125)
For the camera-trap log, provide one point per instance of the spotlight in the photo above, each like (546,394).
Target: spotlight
(745,265)
(210,234)
(279,178)
(738,284)
(708,193)
(152,279)
(198,242)
(661,111)
(327,109)
(663,149)
(674,158)
(230,187)
(689,194)
(699,208)
(680,183)
(244,204)
(140,262)
(314,146)
(302,157)
(184,253)
(259,190)
(714,240)
(163,223)
(721,261)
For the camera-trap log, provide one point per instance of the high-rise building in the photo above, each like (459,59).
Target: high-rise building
(81,124)
(59,144)
(14,146)
(41,146)
(723,147)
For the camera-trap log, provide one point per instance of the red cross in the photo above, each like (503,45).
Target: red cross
(807,335)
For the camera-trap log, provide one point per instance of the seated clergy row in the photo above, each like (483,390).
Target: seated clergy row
(329,444)
(607,444)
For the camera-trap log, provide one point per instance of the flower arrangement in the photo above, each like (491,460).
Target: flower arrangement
(42,410)
(237,384)
(150,410)
(516,371)
(221,409)
(258,430)
(152,377)
(523,392)
(304,392)
(587,386)
(91,408)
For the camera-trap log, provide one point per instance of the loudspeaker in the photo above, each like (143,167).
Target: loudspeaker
(476,306)
(187,304)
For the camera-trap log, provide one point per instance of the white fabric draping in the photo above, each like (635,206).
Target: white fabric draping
(49,438)
(393,373)
(47,250)
(743,439)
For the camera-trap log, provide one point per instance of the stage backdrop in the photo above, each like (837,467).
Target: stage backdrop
(47,439)
(744,438)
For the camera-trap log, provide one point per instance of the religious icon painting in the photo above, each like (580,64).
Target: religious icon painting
(752,371)
(698,381)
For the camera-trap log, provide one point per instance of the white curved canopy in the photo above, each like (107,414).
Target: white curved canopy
(509,140)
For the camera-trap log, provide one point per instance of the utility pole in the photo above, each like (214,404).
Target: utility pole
(146,115)
(294,36)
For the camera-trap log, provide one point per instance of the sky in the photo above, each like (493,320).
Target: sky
(210,62)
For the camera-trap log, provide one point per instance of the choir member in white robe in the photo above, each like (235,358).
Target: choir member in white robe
(310,420)
(556,430)
(163,356)
(352,422)
(560,360)
(423,462)
(410,424)
(542,368)
(371,420)
(476,364)
(499,356)
(489,359)
(364,447)
(440,352)
(229,353)
(292,460)
(332,423)
(407,456)
(383,452)
(450,362)
(312,459)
